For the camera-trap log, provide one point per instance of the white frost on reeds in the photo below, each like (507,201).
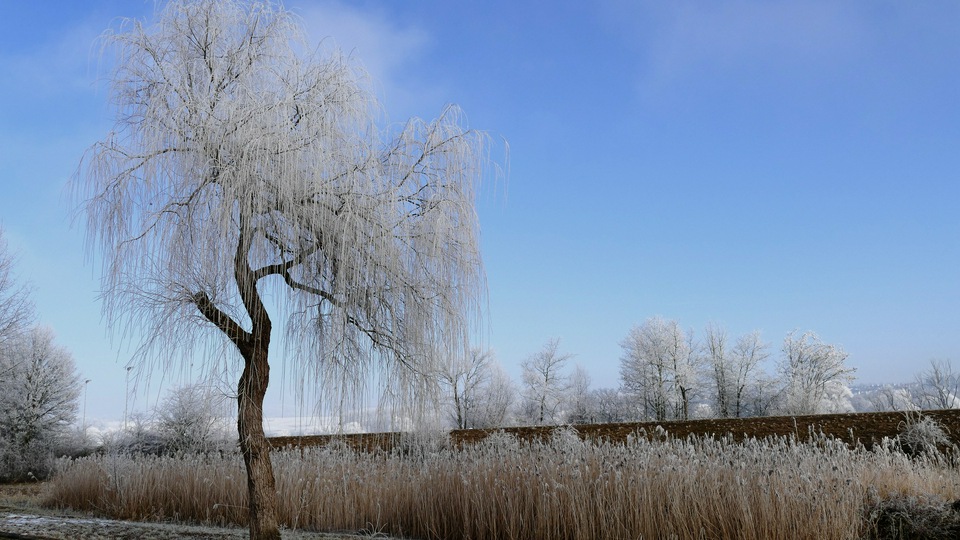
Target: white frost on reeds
(505,488)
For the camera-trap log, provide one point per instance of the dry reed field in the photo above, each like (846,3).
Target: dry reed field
(559,487)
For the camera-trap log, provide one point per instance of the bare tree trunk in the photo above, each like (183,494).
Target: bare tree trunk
(457,405)
(261,486)
(254,347)
(684,404)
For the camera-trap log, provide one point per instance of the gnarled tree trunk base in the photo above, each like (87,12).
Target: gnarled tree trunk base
(261,485)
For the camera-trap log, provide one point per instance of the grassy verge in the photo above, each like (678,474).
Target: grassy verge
(21,495)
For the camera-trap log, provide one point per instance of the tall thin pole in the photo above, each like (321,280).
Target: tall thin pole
(126,400)
(83,424)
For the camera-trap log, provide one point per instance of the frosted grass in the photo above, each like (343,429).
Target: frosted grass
(505,488)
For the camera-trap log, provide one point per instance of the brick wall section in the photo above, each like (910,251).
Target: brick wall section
(867,428)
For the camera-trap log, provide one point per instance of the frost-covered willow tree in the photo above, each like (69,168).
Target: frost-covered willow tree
(246,172)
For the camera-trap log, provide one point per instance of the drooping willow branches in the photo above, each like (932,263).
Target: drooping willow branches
(244,173)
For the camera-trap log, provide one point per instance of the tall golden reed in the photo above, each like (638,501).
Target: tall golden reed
(503,488)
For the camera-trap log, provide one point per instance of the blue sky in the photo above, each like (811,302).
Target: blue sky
(763,165)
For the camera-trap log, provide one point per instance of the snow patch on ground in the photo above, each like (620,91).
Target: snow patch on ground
(70,528)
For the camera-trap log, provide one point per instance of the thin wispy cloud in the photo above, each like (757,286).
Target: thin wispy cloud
(384,48)
(63,66)
(752,41)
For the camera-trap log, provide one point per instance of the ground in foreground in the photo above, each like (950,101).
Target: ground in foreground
(23,516)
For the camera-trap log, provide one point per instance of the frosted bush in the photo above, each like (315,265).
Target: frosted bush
(913,518)
(922,435)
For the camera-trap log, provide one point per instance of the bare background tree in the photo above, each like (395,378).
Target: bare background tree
(748,378)
(810,371)
(39,386)
(763,395)
(16,309)
(39,394)
(891,398)
(659,369)
(721,375)
(644,370)
(734,370)
(938,386)
(463,380)
(191,419)
(244,167)
(545,385)
(496,400)
(610,405)
(580,399)
(138,437)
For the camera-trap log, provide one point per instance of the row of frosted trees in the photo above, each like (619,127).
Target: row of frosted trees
(666,374)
